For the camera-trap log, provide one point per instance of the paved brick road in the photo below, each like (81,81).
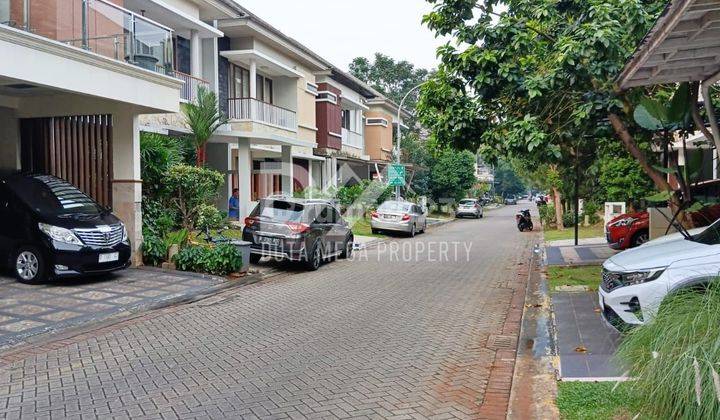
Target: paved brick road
(369,338)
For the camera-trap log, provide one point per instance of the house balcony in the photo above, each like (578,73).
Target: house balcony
(98,26)
(189,90)
(352,139)
(253,110)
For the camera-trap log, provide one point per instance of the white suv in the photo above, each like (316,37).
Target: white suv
(635,282)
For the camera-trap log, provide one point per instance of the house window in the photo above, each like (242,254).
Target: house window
(346,119)
(326,96)
(311,88)
(240,85)
(377,121)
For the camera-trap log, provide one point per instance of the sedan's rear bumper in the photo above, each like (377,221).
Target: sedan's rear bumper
(394,226)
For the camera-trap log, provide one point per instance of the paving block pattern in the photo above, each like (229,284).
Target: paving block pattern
(369,338)
(28,310)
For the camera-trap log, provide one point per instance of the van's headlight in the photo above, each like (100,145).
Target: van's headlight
(60,234)
(637,277)
(125,235)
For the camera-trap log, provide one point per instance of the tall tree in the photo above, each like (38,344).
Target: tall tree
(536,79)
(390,77)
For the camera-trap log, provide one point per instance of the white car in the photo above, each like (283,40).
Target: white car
(635,282)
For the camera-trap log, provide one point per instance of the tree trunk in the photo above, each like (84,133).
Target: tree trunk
(628,141)
(200,156)
(558,209)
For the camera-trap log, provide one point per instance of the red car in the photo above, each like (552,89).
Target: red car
(628,230)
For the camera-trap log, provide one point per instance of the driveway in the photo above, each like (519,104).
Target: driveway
(410,328)
(29,310)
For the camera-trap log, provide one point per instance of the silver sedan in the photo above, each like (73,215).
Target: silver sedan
(399,216)
(469,207)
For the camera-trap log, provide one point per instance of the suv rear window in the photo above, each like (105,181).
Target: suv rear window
(279,210)
(467,201)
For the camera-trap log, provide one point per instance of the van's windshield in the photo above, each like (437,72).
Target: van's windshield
(709,236)
(49,195)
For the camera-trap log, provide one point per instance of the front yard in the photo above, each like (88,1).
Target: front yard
(587,276)
(596,400)
(595,231)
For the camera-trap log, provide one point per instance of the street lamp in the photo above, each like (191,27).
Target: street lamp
(399,131)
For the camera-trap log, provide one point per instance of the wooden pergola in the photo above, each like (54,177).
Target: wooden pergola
(682,46)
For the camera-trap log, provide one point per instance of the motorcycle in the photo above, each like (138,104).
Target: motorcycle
(524,221)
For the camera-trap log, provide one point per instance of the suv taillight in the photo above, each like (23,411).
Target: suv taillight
(406,217)
(249,221)
(374,215)
(298,227)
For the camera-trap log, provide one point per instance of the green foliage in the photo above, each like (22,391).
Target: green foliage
(157,154)
(621,179)
(364,195)
(154,250)
(657,114)
(507,181)
(208,216)
(203,118)
(596,400)
(569,219)
(418,153)
(347,195)
(391,78)
(189,187)
(588,276)
(158,220)
(219,260)
(676,355)
(591,210)
(452,175)
(547,214)
(178,237)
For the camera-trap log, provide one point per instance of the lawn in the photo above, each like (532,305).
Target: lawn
(595,231)
(574,276)
(596,400)
(361,227)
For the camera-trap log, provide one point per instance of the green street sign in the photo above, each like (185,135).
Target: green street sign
(396,175)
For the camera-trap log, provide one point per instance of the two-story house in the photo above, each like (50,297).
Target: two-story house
(75,79)
(340,108)
(267,88)
(381,121)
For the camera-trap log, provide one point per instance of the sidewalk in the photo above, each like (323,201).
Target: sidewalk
(590,251)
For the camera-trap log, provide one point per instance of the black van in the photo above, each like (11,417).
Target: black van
(49,228)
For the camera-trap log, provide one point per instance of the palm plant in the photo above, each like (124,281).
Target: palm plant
(203,118)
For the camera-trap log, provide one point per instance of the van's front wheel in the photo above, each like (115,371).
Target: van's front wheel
(30,266)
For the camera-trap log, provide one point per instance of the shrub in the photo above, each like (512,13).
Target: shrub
(568,219)
(154,250)
(208,217)
(157,219)
(157,154)
(189,187)
(178,237)
(547,214)
(591,209)
(219,260)
(677,355)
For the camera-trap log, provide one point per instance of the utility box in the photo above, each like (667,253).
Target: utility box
(244,248)
(613,210)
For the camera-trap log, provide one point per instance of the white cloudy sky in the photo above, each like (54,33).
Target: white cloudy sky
(364,27)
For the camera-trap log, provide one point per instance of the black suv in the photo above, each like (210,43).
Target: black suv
(309,231)
(49,228)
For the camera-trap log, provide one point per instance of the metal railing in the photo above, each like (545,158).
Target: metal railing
(189,89)
(353,139)
(250,109)
(95,25)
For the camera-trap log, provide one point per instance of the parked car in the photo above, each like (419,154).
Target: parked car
(51,229)
(399,216)
(469,207)
(628,230)
(510,200)
(307,231)
(635,282)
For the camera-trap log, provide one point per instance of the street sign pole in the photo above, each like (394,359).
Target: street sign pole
(399,134)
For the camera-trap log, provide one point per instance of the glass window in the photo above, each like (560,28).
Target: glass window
(278,210)
(394,206)
(49,195)
(346,119)
(267,90)
(467,202)
(240,82)
(334,215)
(710,236)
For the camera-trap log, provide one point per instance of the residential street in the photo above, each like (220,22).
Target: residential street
(372,337)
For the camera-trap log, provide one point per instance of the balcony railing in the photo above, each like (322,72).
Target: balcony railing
(95,25)
(353,139)
(188,92)
(250,109)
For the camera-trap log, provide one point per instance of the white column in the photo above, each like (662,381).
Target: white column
(253,79)
(244,169)
(286,170)
(195,54)
(127,184)
(310,178)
